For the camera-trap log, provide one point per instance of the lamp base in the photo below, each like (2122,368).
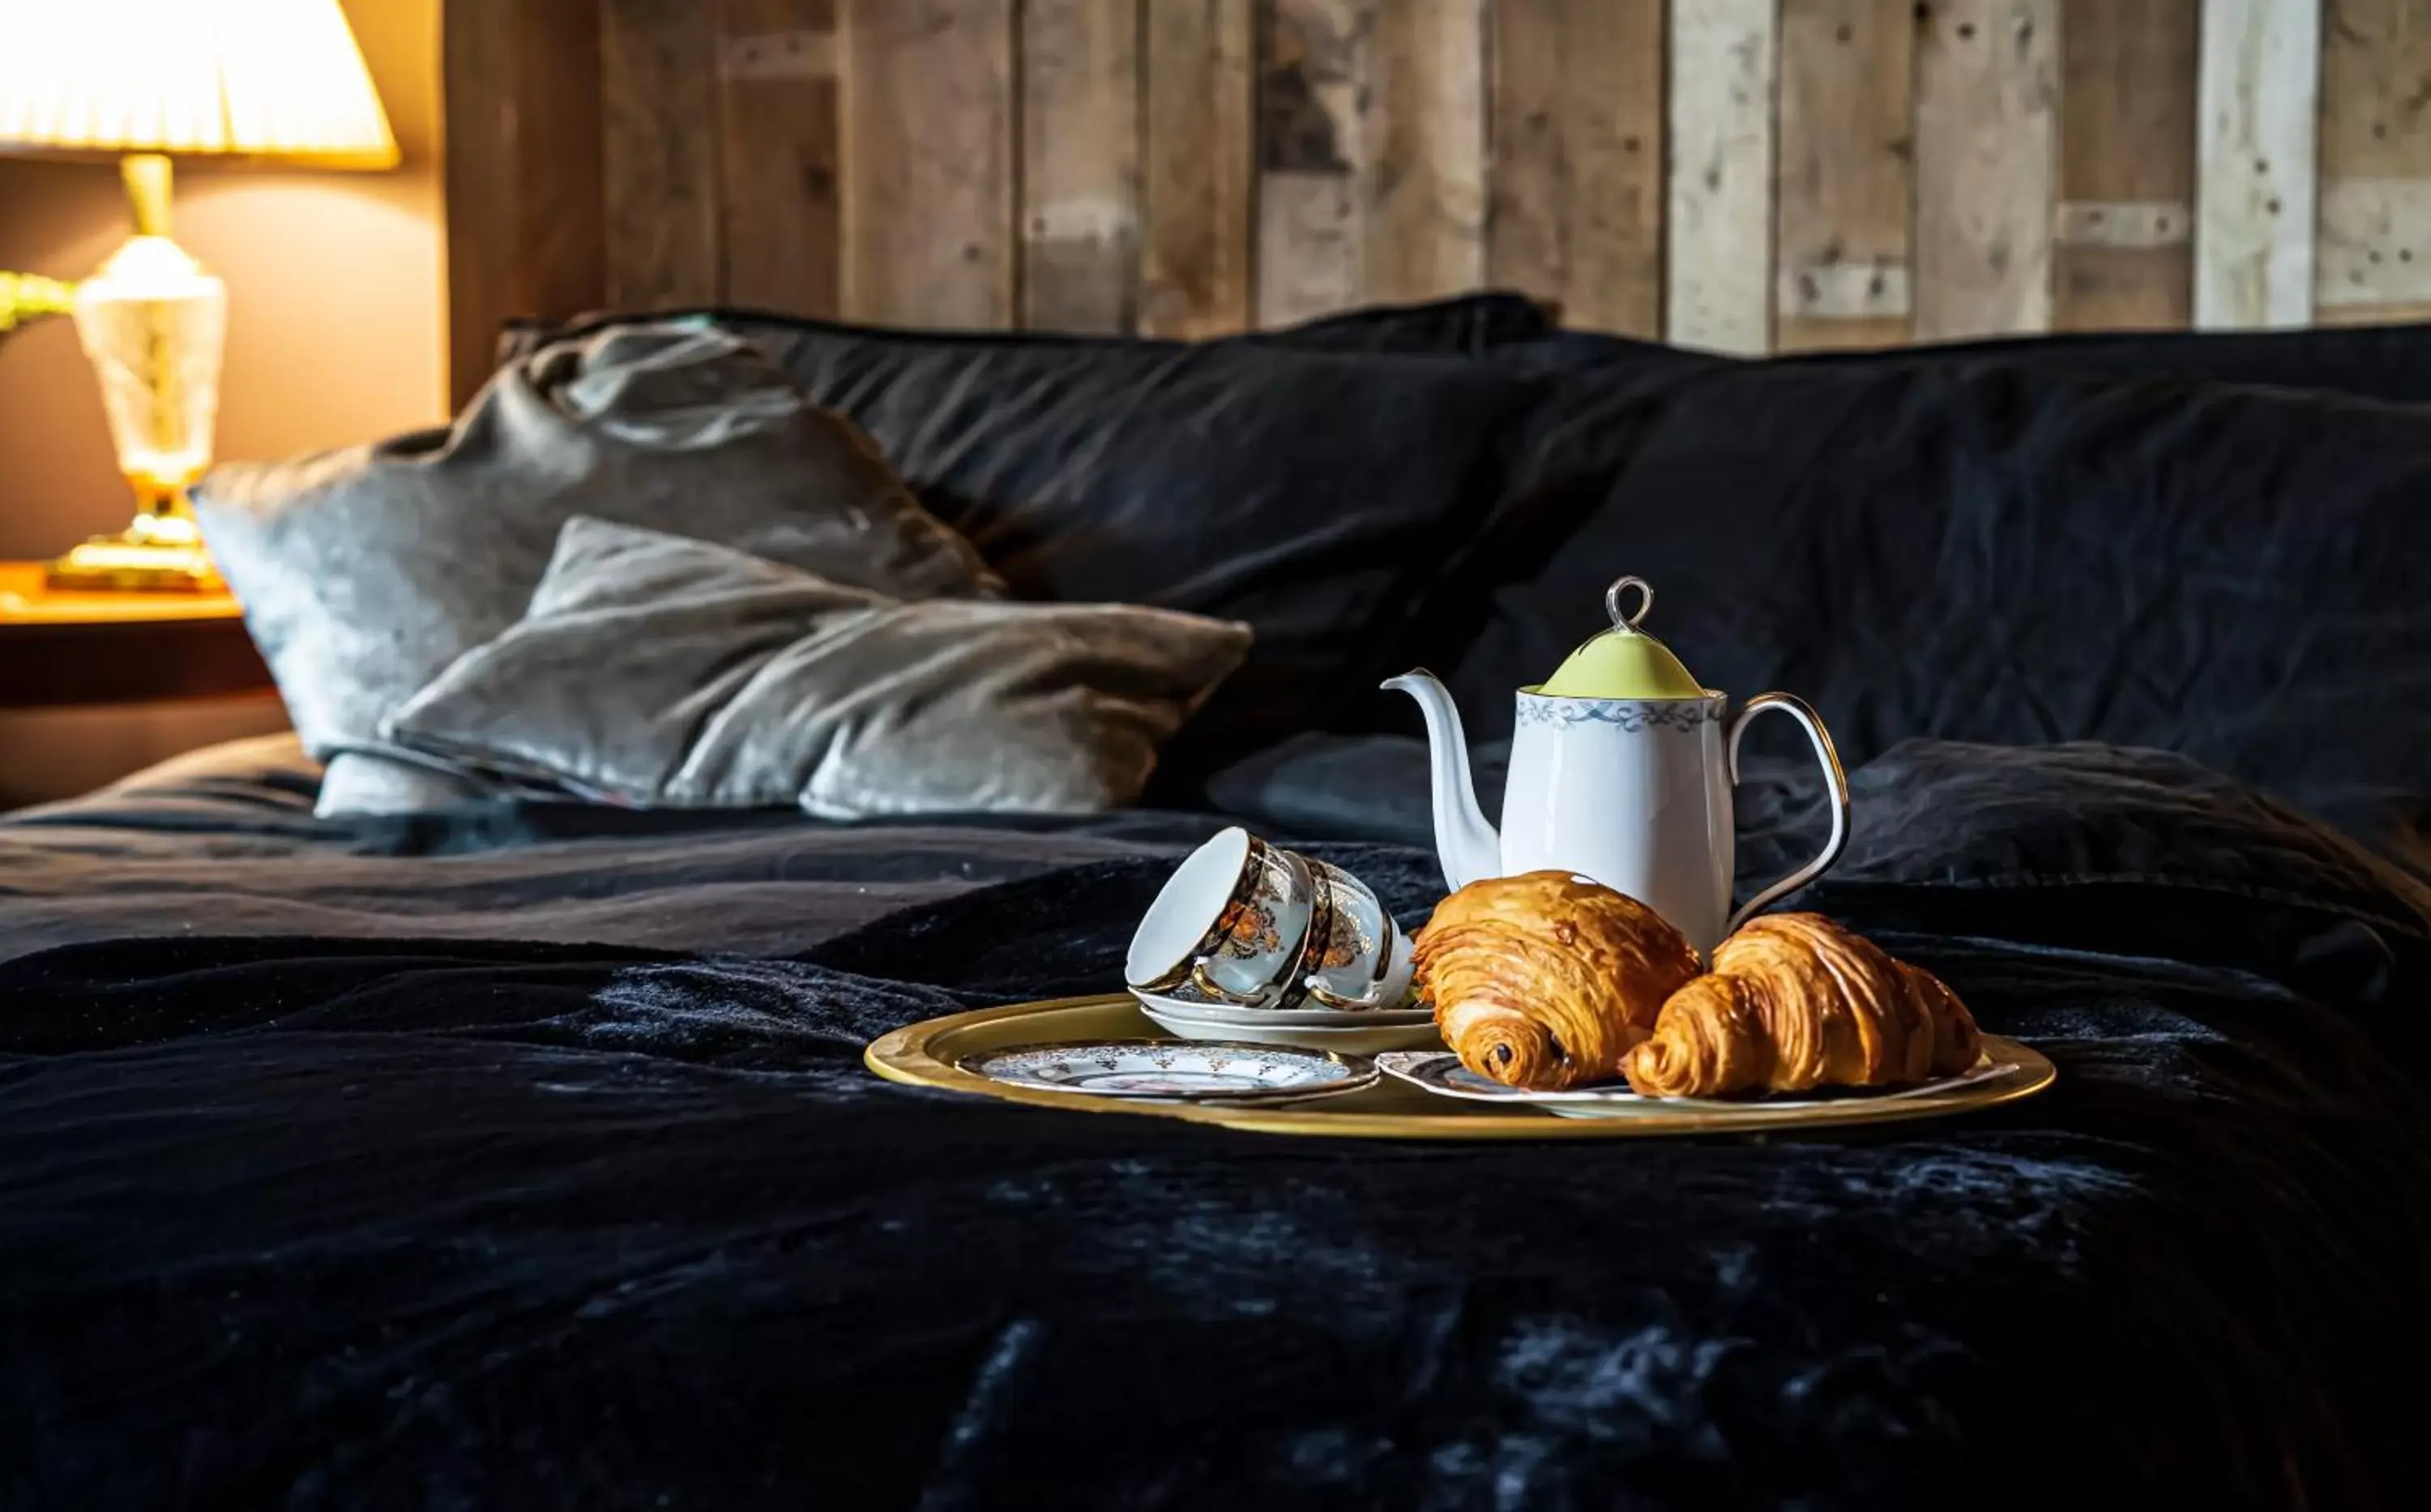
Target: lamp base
(158,553)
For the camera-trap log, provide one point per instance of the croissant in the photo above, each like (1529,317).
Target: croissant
(1544,981)
(1796,1002)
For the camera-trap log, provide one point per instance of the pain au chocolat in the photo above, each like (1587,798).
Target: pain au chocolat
(1547,980)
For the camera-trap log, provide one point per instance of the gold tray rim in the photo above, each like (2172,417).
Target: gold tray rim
(921,1054)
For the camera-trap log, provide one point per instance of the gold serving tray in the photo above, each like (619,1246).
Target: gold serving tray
(923,1054)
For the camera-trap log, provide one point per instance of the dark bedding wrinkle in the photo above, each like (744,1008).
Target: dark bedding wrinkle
(224,841)
(420,1218)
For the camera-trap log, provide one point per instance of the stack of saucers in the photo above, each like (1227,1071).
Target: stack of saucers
(1254,944)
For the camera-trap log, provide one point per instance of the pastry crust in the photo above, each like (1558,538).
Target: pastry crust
(1796,1002)
(1546,981)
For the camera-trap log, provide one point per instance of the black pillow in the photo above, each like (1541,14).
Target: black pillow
(1466,325)
(2375,362)
(1600,354)
(1315,496)
(2390,362)
(1998,553)
(1471,325)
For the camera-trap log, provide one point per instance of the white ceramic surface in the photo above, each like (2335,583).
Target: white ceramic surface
(1245,924)
(1360,1035)
(1323,1017)
(1440,1072)
(1632,793)
(1168,1070)
(1184,928)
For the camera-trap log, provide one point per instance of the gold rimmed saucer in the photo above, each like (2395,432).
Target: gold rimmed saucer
(927,1054)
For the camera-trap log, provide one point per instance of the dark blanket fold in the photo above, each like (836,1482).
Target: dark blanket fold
(319,1222)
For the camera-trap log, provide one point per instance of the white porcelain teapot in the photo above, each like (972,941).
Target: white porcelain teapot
(1619,772)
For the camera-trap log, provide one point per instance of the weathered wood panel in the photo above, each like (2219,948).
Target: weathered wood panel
(1372,115)
(780,219)
(1080,164)
(2123,253)
(1312,59)
(1740,174)
(659,109)
(2375,246)
(526,233)
(1576,181)
(929,173)
(1719,235)
(1987,132)
(2260,78)
(2373,252)
(1198,165)
(1422,177)
(1847,193)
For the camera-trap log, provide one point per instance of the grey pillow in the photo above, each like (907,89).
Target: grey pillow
(366,572)
(361,783)
(665,672)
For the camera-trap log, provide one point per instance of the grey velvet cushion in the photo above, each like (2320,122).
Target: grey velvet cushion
(666,672)
(366,572)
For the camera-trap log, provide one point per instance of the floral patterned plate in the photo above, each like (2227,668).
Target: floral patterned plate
(1175,1070)
(1440,1072)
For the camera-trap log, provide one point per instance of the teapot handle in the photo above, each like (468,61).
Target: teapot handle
(1837,780)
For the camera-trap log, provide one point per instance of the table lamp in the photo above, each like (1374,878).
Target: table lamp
(257,79)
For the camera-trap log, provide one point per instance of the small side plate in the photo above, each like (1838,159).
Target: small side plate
(1175,1070)
(1440,1072)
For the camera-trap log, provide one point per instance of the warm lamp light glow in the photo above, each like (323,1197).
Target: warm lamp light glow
(253,79)
(278,78)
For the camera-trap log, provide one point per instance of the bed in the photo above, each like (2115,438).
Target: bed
(506,1149)
(517,1151)
(524,1157)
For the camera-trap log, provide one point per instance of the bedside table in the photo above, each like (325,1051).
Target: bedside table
(95,685)
(91,648)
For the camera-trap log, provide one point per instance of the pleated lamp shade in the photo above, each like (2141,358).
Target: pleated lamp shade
(264,79)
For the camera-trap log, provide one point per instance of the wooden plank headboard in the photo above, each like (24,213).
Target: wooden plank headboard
(1839,172)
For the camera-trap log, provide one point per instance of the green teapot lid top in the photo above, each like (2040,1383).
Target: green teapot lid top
(1624,661)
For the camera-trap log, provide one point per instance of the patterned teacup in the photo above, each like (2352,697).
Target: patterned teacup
(1227,924)
(1357,957)
(1245,924)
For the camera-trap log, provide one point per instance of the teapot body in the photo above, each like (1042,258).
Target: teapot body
(1633,793)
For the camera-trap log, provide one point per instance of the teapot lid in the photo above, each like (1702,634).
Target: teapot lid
(1623,662)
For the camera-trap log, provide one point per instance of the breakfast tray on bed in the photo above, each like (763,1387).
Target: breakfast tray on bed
(931,1054)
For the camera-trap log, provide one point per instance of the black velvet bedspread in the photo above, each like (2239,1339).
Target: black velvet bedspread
(492,1166)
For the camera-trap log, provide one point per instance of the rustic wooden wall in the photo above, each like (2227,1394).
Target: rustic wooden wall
(1743,174)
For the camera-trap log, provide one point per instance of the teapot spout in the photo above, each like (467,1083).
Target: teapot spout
(1465,843)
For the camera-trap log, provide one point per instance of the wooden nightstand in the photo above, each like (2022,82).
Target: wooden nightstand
(118,648)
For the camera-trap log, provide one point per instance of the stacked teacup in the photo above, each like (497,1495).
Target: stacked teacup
(1252,941)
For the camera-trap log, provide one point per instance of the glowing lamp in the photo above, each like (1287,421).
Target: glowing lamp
(274,80)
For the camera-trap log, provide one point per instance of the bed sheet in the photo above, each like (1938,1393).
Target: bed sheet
(525,1158)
